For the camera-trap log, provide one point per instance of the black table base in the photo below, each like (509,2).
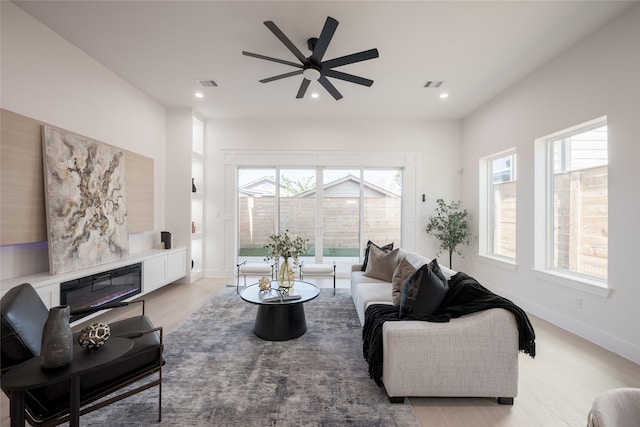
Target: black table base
(280,322)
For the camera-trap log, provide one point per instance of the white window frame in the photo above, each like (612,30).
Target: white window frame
(543,215)
(486,232)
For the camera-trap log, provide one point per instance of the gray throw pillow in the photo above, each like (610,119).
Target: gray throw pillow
(387,248)
(423,292)
(404,270)
(381,264)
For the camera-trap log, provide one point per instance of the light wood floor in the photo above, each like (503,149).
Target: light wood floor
(556,388)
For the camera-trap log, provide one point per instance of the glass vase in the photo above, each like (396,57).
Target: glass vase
(285,276)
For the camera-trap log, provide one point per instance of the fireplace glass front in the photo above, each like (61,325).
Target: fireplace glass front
(103,288)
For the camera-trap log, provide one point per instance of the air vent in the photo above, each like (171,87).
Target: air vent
(432,84)
(207,83)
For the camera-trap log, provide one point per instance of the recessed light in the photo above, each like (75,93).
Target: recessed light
(315,95)
(199,95)
(444,95)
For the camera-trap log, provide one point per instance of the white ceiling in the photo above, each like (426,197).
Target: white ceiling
(478,48)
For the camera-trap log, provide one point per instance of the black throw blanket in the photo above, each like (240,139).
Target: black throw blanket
(465,296)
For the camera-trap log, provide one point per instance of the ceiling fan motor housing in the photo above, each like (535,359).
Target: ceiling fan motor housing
(311,43)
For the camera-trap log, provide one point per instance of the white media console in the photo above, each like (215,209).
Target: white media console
(159,268)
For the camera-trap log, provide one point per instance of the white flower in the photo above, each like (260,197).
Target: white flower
(282,245)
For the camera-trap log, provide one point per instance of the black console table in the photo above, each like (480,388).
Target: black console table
(29,375)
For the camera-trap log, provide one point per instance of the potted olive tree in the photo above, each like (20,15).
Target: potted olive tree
(449,225)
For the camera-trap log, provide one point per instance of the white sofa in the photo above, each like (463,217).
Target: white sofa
(471,356)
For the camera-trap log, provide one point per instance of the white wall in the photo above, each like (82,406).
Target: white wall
(48,79)
(599,76)
(430,150)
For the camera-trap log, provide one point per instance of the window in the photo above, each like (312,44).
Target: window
(576,202)
(498,205)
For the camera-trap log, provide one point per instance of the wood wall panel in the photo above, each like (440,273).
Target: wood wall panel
(22,211)
(22,203)
(139,180)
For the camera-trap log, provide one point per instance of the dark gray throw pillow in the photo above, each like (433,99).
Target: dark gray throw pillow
(386,248)
(422,292)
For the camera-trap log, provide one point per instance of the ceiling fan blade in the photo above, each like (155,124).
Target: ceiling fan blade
(303,88)
(326,35)
(285,40)
(281,76)
(348,78)
(329,87)
(350,59)
(268,58)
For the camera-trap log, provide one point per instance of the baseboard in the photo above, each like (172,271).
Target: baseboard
(614,344)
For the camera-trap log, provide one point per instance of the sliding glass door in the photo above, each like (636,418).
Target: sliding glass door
(341,214)
(297,204)
(338,210)
(256,211)
(381,206)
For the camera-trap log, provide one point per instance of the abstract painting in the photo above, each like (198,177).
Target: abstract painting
(85,201)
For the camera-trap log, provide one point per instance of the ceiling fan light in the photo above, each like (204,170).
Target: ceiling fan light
(311,74)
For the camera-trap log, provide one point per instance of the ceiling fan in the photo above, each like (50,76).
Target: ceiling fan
(313,67)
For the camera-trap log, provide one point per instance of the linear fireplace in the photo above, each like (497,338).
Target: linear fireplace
(103,288)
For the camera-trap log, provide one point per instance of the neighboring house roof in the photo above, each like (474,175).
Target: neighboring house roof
(261,187)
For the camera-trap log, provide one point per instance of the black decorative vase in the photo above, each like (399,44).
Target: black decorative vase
(57,340)
(193,185)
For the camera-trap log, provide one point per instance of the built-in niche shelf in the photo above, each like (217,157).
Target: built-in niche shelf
(197,201)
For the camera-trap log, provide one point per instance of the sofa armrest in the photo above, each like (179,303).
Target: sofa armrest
(473,355)
(356,267)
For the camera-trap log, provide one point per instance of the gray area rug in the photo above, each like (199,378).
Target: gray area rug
(218,373)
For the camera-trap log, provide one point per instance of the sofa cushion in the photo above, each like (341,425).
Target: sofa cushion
(387,248)
(404,270)
(422,292)
(381,263)
(370,293)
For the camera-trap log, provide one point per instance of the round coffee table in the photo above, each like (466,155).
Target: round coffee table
(280,320)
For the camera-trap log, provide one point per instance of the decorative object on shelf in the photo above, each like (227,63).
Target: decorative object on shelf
(193,185)
(193,226)
(165,237)
(94,335)
(56,349)
(264,284)
(449,225)
(284,246)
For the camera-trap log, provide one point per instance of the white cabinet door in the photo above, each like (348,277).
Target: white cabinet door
(154,273)
(176,265)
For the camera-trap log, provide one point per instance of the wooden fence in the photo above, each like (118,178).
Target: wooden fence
(341,229)
(581,221)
